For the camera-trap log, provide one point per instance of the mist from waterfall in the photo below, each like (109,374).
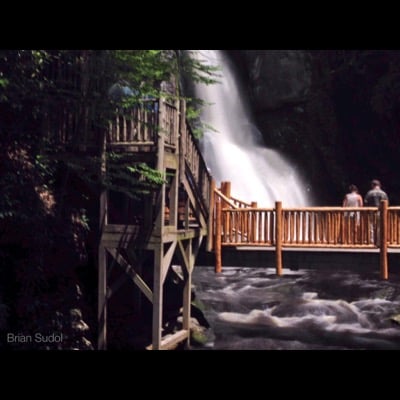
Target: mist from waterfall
(235,152)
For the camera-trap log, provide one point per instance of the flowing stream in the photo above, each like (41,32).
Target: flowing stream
(253,309)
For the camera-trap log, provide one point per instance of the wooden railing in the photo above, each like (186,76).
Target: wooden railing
(309,227)
(306,227)
(137,125)
(196,170)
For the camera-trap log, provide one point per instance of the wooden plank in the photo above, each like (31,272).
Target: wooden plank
(140,283)
(170,341)
(171,161)
(180,234)
(166,262)
(226,199)
(185,259)
(114,228)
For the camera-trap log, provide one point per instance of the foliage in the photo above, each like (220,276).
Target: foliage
(53,102)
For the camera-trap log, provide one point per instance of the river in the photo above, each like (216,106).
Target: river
(253,309)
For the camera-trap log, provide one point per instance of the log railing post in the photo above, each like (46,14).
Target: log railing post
(253,233)
(383,217)
(278,237)
(211,217)
(218,234)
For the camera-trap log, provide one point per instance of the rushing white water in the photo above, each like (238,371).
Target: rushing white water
(234,152)
(252,308)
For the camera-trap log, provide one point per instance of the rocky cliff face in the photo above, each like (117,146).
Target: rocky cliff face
(334,113)
(278,77)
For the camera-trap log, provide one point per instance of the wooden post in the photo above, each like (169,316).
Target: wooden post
(218,232)
(102,300)
(182,139)
(159,232)
(157,297)
(383,211)
(227,189)
(187,291)
(173,200)
(278,237)
(161,136)
(102,262)
(211,217)
(253,233)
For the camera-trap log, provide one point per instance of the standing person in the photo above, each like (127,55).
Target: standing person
(375,195)
(353,198)
(352,218)
(373,199)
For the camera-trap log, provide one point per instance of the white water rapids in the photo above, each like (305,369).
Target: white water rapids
(235,152)
(252,308)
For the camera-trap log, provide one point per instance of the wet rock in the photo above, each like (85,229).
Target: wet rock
(395,319)
(77,324)
(278,77)
(198,333)
(386,293)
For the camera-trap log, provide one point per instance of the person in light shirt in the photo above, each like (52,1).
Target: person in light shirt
(353,198)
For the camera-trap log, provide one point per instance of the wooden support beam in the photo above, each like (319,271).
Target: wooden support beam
(140,283)
(166,262)
(157,299)
(170,341)
(383,216)
(187,302)
(196,244)
(173,200)
(102,299)
(185,259)
(187,213)
(102,263)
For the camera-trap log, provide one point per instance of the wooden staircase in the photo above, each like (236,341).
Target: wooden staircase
(173,221)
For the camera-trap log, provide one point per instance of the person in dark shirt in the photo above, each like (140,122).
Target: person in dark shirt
(375,195)
(373,199)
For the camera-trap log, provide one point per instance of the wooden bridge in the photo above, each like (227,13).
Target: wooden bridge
(244,225)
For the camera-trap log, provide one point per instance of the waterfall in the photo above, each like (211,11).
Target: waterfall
(235,152)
